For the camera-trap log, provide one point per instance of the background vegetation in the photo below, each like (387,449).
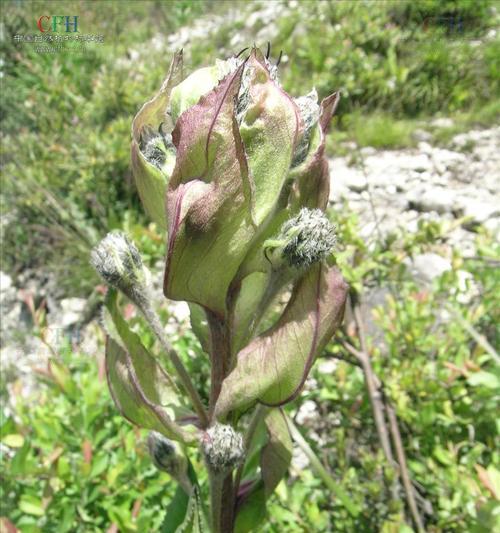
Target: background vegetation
(69,461)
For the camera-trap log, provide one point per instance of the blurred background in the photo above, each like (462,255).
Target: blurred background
(415,167)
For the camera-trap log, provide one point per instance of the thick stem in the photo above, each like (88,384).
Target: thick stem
(222,502)
(154,321)
(220,357)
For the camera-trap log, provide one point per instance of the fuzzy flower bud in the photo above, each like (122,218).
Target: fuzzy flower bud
(303,240)
(222,448)
(309,111)
(168,457)
(117,260)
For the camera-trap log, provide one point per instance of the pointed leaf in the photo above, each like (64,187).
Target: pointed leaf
(277,453)
(312,178)
(273,368)
(190,90)
(194,520)
(270,131)
(142,390)
(251,292)
(180,509)
(132,401)
(176,512)
(208,200)
(307,185)
(199,325)
(252,510)
(150,181)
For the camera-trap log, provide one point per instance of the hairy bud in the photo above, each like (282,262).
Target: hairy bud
(303,240)
(222,448)
(309,111)
(118,261)
(168,457)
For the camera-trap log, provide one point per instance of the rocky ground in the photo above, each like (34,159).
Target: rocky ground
(388,190)
(395,189)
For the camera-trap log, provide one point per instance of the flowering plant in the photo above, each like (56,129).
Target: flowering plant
(233,169)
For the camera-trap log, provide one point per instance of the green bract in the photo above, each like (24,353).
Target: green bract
(248,156)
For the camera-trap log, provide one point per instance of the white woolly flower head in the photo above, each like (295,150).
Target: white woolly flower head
(168,457)
(118,261)
(303,240)
(222,448)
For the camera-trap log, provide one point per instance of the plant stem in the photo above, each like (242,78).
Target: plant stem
(478,337)
(403,470)
(221,502)
(154,321)
(374,385)
(220,357)
(216,483)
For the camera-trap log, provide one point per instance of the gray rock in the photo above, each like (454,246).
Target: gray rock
(422,135)
(478,212)
(427,267)
(436,199)
(442,123)
(5,282)
(71,311)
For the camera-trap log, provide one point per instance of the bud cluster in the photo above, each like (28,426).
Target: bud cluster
(222,448)
(303,240)
(167,457)
(309,113)
(118,261)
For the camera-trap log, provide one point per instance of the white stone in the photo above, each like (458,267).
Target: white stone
(478,211)
(5,282)
(436,199)
(307,411)
(429,266)
(71,312)
(442,123)
(327,366)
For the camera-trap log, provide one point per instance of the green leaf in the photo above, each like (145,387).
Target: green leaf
(191,89)
(31,505)
(151,182)
(276,455)
(186,510)
(484,379)
(316,465)
(176,511)
(250,294)
(99,465)
(62,377)
(208,200)
(199,325)
(13,440)
(185,514)
(311,186)
(141,389)
(252,511)
(270,131)
(273,368)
